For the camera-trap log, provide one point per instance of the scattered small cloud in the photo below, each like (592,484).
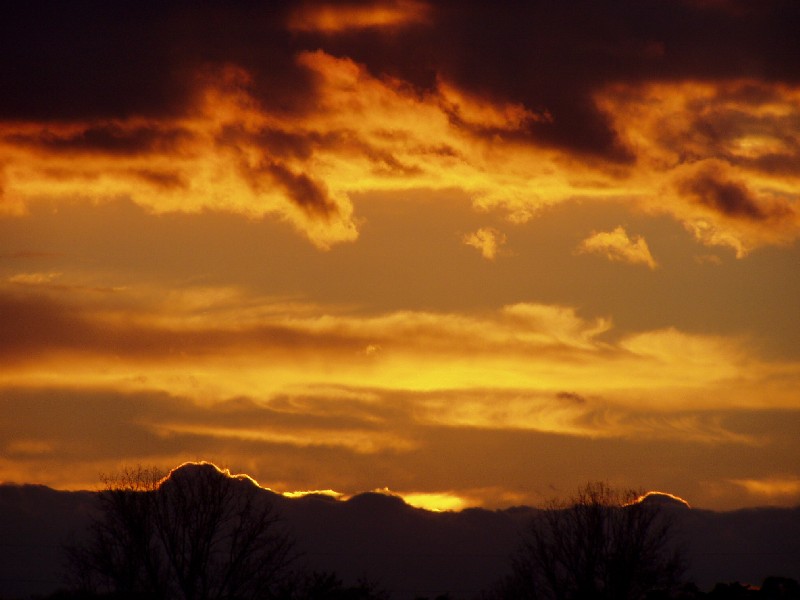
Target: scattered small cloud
(487,240)
(616,245)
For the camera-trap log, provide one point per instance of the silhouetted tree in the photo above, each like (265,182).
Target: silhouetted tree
(318,585)
(198,534)
(602,544)
(733,591)
(780,588)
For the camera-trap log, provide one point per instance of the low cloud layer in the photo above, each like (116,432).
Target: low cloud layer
(289,381)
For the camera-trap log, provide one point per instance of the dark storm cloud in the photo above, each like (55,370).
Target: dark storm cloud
(92,59)
(571,397)
(162,179)
(735,112)
(731,198)
(306,193)
(274,141)
(105,139)
(551,57)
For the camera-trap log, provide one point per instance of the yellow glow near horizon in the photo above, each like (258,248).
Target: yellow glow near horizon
(301,494)
(436,501)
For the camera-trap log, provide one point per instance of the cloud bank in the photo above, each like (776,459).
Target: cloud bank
(284,111)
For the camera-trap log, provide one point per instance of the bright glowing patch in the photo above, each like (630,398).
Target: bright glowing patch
(436,502)
(301,494)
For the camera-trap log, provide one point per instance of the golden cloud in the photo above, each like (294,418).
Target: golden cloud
(720,157)
(771,488)
(34,278)
(616,245)
(487,240)
(331,18)
(227,345)
(362,442)
(228,153)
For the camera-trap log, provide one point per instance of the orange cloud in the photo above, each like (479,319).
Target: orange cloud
(772,488)
(34,278)
(616,245)
(331,18)
(362,442)
(720,157)
(191,164)
(228,152)
(219,344)
(487,240)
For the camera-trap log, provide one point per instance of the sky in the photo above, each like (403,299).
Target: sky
(473,253)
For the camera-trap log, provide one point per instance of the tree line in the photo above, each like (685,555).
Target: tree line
(200,534)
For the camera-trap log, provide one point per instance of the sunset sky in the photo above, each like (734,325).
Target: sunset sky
(474,253)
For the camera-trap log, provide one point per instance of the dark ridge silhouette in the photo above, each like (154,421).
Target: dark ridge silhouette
(197,534)
(409,552)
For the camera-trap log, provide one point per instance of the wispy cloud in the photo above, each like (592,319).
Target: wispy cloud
(221,349)
(772,488)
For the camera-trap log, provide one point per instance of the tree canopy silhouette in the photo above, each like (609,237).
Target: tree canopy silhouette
(602,544)
(198,534)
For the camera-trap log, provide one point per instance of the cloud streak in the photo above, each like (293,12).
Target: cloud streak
(222,348)
(66,436)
